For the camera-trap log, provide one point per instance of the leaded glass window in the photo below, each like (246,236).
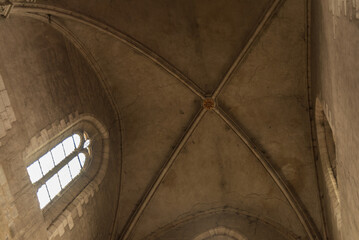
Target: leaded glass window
(57,168)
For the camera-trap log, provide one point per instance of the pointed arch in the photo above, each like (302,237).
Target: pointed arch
(220,231)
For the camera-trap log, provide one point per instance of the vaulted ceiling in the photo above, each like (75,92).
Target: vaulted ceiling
(213,102)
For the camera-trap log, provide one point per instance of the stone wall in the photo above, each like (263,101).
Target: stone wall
(45,80)
(335,48)
(8,211)
(7,116)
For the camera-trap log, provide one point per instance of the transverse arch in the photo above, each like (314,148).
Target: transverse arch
(220,233)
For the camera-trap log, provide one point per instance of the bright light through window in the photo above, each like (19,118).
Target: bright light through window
(53,171)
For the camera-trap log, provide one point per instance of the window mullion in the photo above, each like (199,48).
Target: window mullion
(52,157)
(58,178)
(42,172)
(48,193)
(57,168)
(52,184)
(70,172)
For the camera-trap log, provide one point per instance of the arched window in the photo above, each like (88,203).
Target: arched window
(53,171)
(67,161)
(326,147)
(328,172)
(329,145)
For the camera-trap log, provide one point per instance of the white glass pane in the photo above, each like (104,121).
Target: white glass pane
(82,158)
(69,145)
(77,140)
(75,167)
(87,143)
(46,163)
(43,196)
(64,175)
(34,171)
(53,185)
(58,154)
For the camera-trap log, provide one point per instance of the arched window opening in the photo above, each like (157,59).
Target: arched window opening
(330,145)
(326,146)
(56,169)
(66,164)
(327,171)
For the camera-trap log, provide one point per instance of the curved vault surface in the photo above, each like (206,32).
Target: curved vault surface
(201,40)
(266,95)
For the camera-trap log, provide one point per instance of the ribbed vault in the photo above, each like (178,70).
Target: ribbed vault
(214,112)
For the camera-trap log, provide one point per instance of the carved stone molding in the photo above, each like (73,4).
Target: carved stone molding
(75,208)
(208,103)
(5,9)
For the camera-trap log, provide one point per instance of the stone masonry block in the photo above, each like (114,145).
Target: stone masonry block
(2,129)
(2,105)
(2,176)
(73,210)
(2,85)
(13,212)
(5,98)
(7,124)
(70,222)
(44,135)
(63,124)
(71,118)
(3,115)
(61,230)
(8,195)
(10,114)
(79,210)
(2,198)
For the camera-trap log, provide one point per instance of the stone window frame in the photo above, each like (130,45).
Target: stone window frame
(55,170)
(59,214)
(220,231)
